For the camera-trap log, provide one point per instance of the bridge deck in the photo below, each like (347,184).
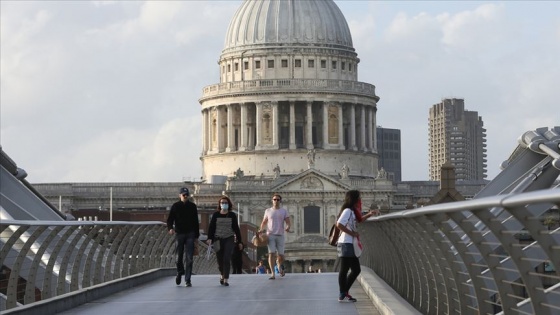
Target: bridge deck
(247,294)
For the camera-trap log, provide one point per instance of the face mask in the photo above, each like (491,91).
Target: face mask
(224,206)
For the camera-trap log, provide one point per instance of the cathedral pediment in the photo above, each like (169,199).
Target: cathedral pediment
(311,180)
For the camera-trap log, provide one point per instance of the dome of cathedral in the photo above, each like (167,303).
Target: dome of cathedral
(318,23)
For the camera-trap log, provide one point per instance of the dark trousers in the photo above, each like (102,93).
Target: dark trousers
(224,256)
(237,262)
(185,262)
(346,280)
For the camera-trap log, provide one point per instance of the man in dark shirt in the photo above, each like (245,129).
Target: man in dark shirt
(183,223)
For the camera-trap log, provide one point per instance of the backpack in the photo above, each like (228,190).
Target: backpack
(333,235)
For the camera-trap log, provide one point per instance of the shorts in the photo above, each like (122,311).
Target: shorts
(276,244)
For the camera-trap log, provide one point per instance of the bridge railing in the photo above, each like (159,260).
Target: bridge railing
(44,259)
(483,256)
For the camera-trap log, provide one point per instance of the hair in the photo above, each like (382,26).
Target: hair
(230,205)
(277,195)
(350,200)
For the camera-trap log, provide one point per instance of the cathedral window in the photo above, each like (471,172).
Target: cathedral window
(257,64)
(228,68)
(246,65)
(298,63)
(270,63)
(323,64)
(236,66)
(343,65)
(333,65)
(311,63)
(284,63)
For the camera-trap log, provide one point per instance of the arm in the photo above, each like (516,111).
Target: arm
(170,221)
(264,222)
(197,225)
(287,220)
(211,229)
(370,214)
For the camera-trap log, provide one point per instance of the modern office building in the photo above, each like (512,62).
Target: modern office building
(458,136)
(389,152)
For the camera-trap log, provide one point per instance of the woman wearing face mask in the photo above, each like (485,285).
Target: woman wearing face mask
(223,227)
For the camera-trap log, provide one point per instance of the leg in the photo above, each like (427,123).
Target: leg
(227,248)
(220,259)
(189,257)
(343,275)
(271,263)
(180,240)
(355,270)
(280,245)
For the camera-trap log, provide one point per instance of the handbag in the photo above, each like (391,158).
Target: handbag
(358,248)
(260,240)
(334,234)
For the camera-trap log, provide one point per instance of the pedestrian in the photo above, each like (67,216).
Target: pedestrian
(183,223)
(260,269)
(224,230)
(350,214)
(237,258)
(274,219)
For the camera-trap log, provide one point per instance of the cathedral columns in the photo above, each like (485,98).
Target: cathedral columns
(352,130)
(292,126)
(258,123)
(275,121)
(230,133)
(243,127)
(309,126)
(340,127)
(205,133)
(362,128)
(325,125)
(370,129)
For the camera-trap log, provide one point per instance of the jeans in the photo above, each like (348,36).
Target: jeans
(346,280)
(185,262)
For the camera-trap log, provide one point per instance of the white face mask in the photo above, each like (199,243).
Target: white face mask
(224,206)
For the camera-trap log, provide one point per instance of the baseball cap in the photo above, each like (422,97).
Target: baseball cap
(184,190)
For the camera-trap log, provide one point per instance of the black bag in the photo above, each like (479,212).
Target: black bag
(333,235)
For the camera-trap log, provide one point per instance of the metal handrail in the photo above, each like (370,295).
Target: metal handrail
(483,256)
(45,259)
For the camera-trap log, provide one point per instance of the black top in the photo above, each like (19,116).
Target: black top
(183,217)
(224,226)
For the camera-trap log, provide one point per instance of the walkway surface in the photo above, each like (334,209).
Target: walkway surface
(247,294)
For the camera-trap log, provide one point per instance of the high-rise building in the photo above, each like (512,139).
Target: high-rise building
(389,151)
(458,136)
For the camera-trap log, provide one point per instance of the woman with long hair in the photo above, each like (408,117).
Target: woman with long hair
(224,230)
(350,215)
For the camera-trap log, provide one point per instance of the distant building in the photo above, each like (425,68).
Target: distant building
(389,151)
(457,136)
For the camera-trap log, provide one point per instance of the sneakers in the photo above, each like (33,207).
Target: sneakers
(345,297)
(178,279)
(188,284)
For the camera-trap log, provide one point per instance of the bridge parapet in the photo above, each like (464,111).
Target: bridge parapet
(45,259)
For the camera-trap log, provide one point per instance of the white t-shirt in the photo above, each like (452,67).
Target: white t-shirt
(276,217)
(348,219)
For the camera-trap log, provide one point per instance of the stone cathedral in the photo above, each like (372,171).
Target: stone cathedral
(290,116)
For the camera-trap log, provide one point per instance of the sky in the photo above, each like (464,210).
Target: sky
(107,91)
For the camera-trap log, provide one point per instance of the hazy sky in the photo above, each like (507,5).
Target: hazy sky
(108,91)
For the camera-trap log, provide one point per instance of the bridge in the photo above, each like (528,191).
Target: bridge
(498,253)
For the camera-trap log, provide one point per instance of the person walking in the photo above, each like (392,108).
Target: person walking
(274,219)
(237,258)
(182,222)
(222,229)
(350,214)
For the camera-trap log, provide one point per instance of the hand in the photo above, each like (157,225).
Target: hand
(288,228)
(171,232)
(209,241)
